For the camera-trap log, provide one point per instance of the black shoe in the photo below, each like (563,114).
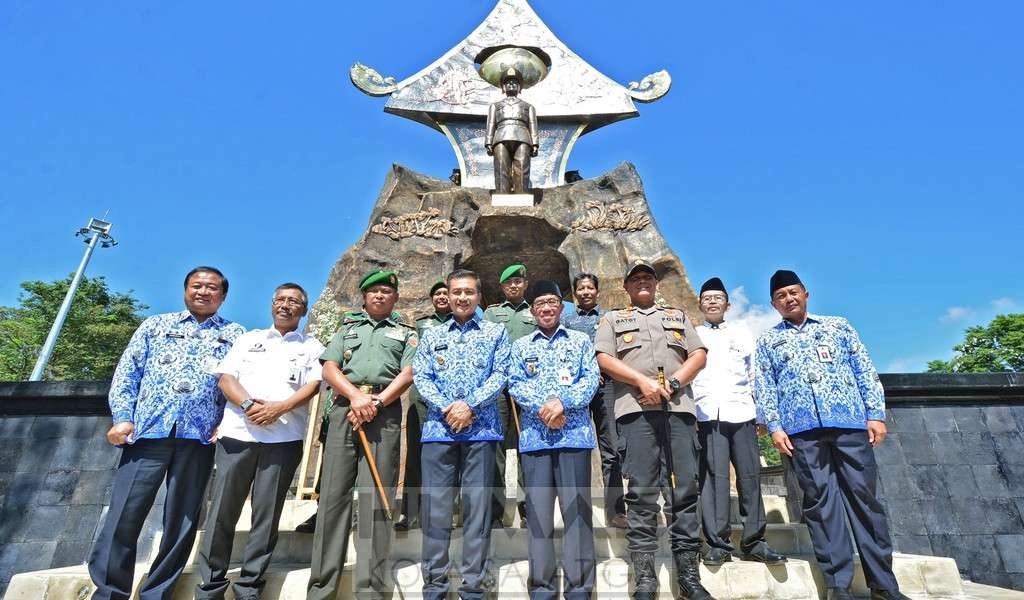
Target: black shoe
(887,595)
(402,523)
(688,576)
(764,553)
(839,594)
(716,557)
(307,526)
(645,578)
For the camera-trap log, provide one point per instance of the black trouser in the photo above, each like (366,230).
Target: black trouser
(603,413)
(511,442)
(723,443)
(414,418)
(186,465)
(836,470)
(344,468)
(563,473)
(445,464)
(267,470)
(645,466)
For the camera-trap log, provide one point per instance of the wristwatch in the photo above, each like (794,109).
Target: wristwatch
(377,403)
(674,384)
(246,404)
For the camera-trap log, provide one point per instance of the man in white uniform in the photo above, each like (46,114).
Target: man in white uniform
(268,378)
(726,428)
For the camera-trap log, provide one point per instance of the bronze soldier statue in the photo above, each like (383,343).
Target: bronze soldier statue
(512,137)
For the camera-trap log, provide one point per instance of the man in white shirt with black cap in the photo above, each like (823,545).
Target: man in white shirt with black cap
(726,428)
(268,378)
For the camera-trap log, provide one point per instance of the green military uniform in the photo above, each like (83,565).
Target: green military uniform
(413,432)
(370,354)
(518,322)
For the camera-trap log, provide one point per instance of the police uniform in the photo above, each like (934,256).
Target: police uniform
(370,354)
(645,339)
(518,322)
(816,382)
(414,430)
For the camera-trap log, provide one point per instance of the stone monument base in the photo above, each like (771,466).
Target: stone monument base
(513,200)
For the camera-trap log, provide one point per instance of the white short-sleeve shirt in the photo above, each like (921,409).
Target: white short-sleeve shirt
(270,367)
(723,389)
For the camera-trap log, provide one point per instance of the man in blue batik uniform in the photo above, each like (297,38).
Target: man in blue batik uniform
(553,375)
(460,368)
(820,397)
(166,406)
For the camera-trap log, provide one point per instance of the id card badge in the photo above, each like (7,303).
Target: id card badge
(295,375)
(564,376)
(210,364)
(824,354)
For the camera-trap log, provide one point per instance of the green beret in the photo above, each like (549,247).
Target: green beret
(439,284)
(516,270)
(378,276)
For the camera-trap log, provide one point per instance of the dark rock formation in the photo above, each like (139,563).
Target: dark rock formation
(424,227)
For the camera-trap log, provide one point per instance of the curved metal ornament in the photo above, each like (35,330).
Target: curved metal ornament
(650,88)
(370,81)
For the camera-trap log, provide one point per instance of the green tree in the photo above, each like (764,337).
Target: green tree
(994,348)
(97,329)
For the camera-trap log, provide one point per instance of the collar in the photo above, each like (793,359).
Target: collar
(215,319)
(365,316)
(516,307)
(592,312)
(540,334)
(711,325)
(811,318)
(295,334)
(473,321)
(442,318)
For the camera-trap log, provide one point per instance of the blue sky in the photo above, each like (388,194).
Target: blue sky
(875,147)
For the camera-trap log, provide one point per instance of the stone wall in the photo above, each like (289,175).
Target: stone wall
(952,471)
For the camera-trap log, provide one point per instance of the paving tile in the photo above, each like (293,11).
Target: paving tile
(969,419)
(978,448)
(908,419)
(57,488)
(93,487)
(49,427)
(930,480)
(938,517)
(891,451)
(917,449)
(906,517)
(1009,447)
(46,523)
(991,481)
(68,554)
(81,523)
(1011,549)
(938,419)
(1000,419)
(912,544)
(1003,516)
(16,427)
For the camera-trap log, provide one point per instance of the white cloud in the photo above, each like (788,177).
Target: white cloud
(905,364)
(756,317)
(955,313)
(1004,304)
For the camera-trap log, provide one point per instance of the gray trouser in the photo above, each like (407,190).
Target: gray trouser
(644,434)
(344,467)
(185,464)
(566,474)
(415,416)
(267,470)
(723,443)
(836,470)
(444,465)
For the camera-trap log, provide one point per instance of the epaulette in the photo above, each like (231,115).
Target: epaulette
(623,312)
(353,317)
(406,325)
(494,305)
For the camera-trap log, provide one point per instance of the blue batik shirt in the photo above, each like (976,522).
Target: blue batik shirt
(166,378)
(815,375)
(467,362)
(562,366)
(583,320)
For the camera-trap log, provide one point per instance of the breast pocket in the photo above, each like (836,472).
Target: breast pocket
(675,337)
(627,338)
(392,350)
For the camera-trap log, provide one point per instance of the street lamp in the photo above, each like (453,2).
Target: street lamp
(96,233)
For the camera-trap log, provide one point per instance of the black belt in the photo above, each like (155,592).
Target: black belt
(364,388)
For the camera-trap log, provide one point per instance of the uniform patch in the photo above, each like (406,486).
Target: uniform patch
(347,355)
(628,338)
(824,353)
(677,335)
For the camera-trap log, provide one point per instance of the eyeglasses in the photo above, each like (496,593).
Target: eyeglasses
(713,298)
(548,302)
(288,301)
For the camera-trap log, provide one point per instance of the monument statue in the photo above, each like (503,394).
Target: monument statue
(512,136)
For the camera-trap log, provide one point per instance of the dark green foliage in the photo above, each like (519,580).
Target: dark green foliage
(994,348)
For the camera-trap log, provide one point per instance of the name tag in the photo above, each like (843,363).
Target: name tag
(351,336)
(257,348)
(176,336)
(564,377)
(824,353)
(295,375)
(440,347)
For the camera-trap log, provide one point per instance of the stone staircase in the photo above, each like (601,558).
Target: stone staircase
(920,577)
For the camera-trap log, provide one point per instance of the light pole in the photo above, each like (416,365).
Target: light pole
(96,232)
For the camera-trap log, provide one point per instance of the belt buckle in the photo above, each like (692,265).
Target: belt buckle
(366,389)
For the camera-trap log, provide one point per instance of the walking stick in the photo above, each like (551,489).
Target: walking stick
(667,447)
(515,414)
(376,474)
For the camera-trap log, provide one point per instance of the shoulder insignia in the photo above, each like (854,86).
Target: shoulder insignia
(494,305)
(624,312)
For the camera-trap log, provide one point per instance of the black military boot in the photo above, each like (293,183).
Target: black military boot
(645,576)
(688,577)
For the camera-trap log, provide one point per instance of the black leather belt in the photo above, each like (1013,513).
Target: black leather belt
(364,388)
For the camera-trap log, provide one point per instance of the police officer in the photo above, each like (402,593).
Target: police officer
(819,395)
(728,433)
(635,347)
(514,313)
(368,366)
(553,376)
(410,514)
